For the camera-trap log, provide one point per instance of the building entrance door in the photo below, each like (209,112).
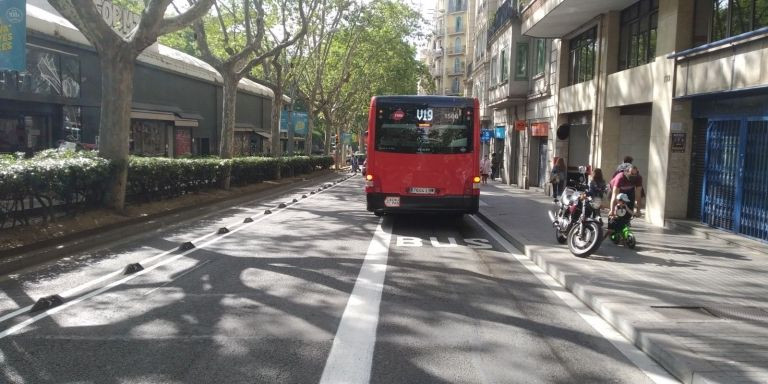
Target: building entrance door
(543,160)
(736,176)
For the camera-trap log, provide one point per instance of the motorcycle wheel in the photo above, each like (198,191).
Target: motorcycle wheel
(615,238)
(561,239)
(631,242)
(593,236)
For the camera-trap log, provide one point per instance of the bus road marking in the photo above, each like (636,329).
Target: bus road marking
(410,241)
(351,355)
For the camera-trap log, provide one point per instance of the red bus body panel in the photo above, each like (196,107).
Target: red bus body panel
(451,175)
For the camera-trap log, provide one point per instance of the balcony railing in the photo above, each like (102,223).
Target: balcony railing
(455,50)
(504,15)
(454,91)
(456,69)
(454,31)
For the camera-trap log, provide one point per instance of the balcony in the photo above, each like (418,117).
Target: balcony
(454,91)
(556,18)
(454,31)
(456,50)
(436,71)
(504,15)
(456,70)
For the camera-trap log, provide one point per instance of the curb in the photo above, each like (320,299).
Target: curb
(711,233)
(14,260)
(652,344)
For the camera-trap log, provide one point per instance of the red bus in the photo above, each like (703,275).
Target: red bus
(423,155)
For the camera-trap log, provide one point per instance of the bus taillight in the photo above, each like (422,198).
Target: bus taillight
(369,181)
(476,182)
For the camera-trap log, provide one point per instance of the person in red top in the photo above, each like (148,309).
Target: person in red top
(631,183)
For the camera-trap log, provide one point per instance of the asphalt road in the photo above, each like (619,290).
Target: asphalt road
(318,291)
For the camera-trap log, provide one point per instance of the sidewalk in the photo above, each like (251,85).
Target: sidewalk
(692,298)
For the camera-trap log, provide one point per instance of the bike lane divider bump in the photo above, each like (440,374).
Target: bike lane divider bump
(130,269)
(186,246)
(222,231)
(248,220)
(47,302)
(81,288)
(351,355)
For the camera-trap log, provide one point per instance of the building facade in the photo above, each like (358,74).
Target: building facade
(679,85)
(448,48)
(176,98)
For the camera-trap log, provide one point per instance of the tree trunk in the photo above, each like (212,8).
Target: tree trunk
(227,138)
(117,67)
(310,128)
(277,106)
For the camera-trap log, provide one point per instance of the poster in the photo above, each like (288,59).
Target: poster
(678,141)
(13,35)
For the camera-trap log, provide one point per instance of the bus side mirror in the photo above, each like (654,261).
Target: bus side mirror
(563,131)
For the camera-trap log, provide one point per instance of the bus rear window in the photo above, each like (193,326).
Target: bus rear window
(401,130)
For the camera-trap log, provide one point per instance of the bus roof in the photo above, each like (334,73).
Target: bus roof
(432,100)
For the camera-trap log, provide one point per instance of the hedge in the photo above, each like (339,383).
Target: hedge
(56,182)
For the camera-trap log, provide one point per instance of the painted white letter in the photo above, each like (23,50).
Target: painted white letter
(478,243)
(436,244)
(406,241)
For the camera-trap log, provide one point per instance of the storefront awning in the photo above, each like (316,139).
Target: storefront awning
(152,115)
(244,127)
(264,134)
(186,123)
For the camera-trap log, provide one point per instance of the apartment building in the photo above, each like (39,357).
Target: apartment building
(679,85)
(448,54)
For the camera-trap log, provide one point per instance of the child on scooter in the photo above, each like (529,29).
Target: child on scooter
(622,217)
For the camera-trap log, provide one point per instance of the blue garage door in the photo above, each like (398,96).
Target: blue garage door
(735,194)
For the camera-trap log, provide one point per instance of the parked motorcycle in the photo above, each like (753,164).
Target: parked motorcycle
(576,218)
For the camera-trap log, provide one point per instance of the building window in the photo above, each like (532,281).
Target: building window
(541,57)
(458,23)
(503,65)
(494,70)
(581,57)
(456,65)
(457,45)
(637,44)
(455,86)
(732,17)
(521,61)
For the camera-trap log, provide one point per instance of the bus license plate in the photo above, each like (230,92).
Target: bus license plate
(423,191)
(392,201)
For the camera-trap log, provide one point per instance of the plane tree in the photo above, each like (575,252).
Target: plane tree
(117,58)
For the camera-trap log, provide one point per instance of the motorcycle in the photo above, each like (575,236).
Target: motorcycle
(576,219)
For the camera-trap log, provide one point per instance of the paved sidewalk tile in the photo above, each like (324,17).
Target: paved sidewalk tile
(697,305)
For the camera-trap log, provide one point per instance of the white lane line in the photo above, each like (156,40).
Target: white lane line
(32,320)
(351,355)
(483,204)
(650,368)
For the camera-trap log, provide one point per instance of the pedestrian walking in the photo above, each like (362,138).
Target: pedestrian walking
(495,161)
(557,177)
(485,169)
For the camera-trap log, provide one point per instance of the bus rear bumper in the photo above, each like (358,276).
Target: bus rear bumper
(411,204)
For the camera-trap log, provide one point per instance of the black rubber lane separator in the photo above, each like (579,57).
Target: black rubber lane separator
(282,205)
(267,212)
(223,230)
(186,246)
(130,269)
(295,201)
(303,196)
(312,193)
(248,220)
(47,302)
